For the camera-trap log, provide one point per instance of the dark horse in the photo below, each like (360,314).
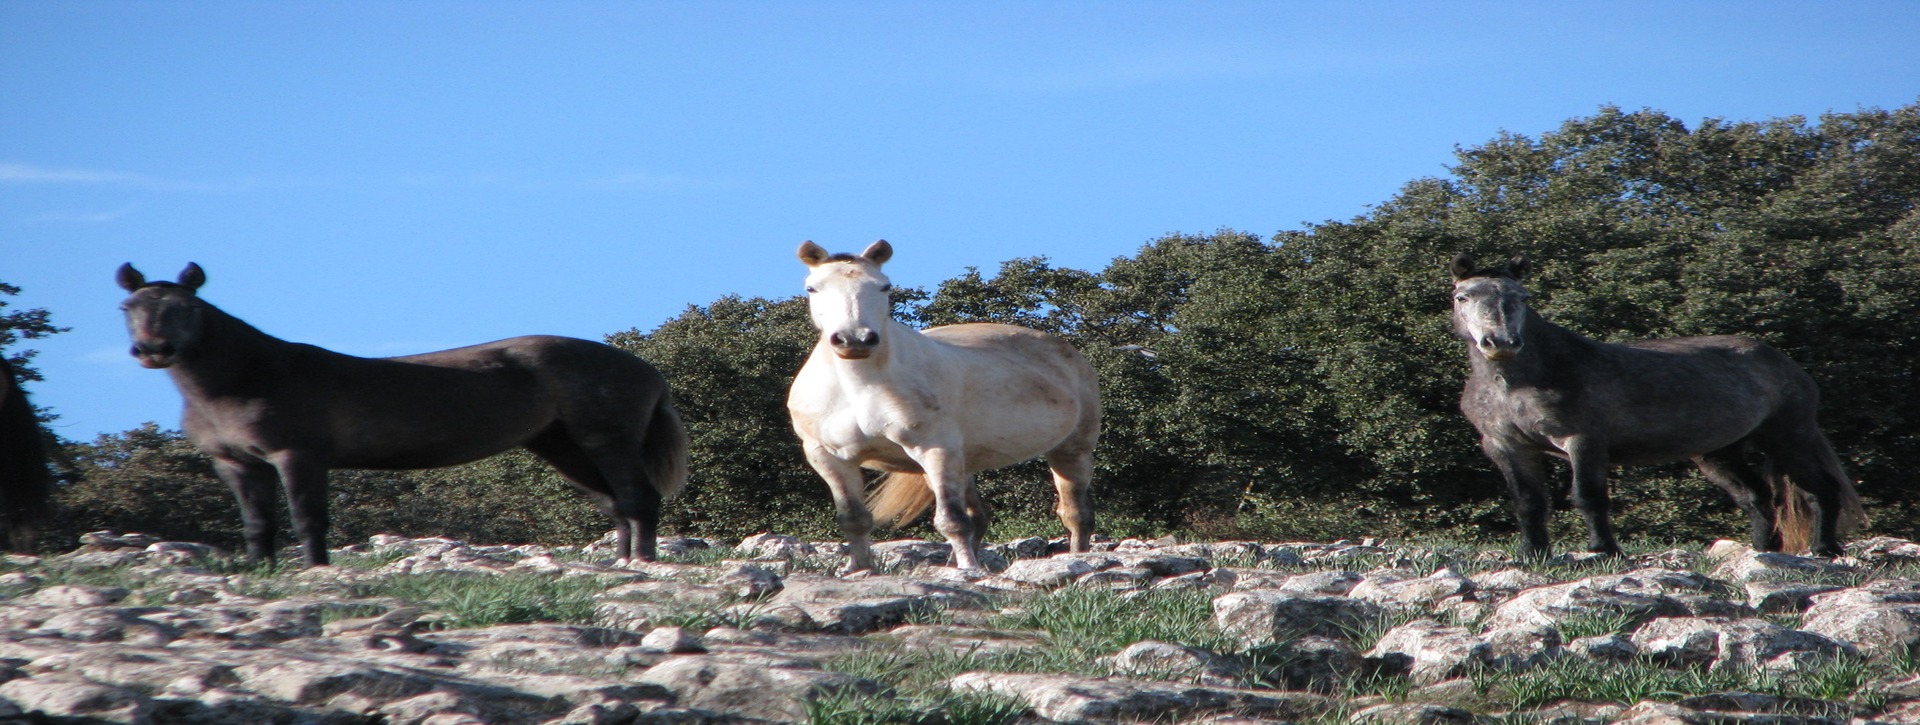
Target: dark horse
(269,411)
(1538,389)
(25,482)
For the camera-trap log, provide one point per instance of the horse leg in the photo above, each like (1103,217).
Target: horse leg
(1526,474)
(636,505)
(579,469)
(949,483)
(305,483)
(252,483)
(981,514)
(1072,485)
(1589,462)
(848,487)
(1727,469)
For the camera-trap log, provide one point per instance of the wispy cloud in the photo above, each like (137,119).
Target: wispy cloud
(18,173)
(83,217)
(28,174)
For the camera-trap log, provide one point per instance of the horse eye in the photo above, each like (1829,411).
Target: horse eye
(1459,298)
(811,290)
(886,288)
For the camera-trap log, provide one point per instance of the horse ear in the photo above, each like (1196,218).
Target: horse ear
(192,277)
(130,279)
(812,253)
(1518,267)
(878,252)
(1461,267)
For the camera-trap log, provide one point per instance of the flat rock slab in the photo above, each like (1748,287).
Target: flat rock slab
(1066,698)
(1260,616)
(750,687)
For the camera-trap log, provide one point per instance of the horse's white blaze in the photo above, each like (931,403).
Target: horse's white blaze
(945,403)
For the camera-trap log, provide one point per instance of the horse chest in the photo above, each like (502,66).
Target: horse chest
(229,430)
(866,427)
(1542,417)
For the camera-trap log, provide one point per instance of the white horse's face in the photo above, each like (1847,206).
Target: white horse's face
(847,298)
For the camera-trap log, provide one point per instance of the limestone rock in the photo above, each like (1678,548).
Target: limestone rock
(1263,615)
(749,687)
(1067,698)
(1729,644)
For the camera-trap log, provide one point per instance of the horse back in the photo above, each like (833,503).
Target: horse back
(1041,362)
(1652,401)
(1018,387)
(422,411)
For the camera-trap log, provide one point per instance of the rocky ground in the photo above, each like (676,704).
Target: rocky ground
(432,631)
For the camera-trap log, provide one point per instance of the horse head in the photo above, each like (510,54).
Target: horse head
(1490,306)
(847,297)
(164,318)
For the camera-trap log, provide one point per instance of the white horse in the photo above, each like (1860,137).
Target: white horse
(932,408)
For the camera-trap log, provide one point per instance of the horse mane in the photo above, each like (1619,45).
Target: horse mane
(25,483)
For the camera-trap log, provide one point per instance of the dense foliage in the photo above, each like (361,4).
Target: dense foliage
(1305,385)
(22,325)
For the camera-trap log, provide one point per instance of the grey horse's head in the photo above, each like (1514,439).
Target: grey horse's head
(163,318)
(1490,306)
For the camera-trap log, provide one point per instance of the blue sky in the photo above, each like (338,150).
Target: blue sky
(396,177)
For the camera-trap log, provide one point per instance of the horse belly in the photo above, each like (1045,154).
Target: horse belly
(1668,431)
(1002,430)
(462,429)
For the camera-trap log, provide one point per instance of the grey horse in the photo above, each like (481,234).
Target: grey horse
(1538,389)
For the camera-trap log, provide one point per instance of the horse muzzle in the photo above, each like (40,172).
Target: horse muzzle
(153,355)
(858,346)
(1498,351)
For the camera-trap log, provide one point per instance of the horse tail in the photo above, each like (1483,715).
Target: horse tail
(899,498)
(1795,518)
(664,449)
(26,486)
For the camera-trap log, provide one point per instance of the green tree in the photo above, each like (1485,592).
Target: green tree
(18,325)
(147,480)
(729,364)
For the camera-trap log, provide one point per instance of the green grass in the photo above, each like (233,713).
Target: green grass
(468,600)
(1102,621)
(1596,624)
(1625,683)
(946,708)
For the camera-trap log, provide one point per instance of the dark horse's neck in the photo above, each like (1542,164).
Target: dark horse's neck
(1543,346)
(228,358)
